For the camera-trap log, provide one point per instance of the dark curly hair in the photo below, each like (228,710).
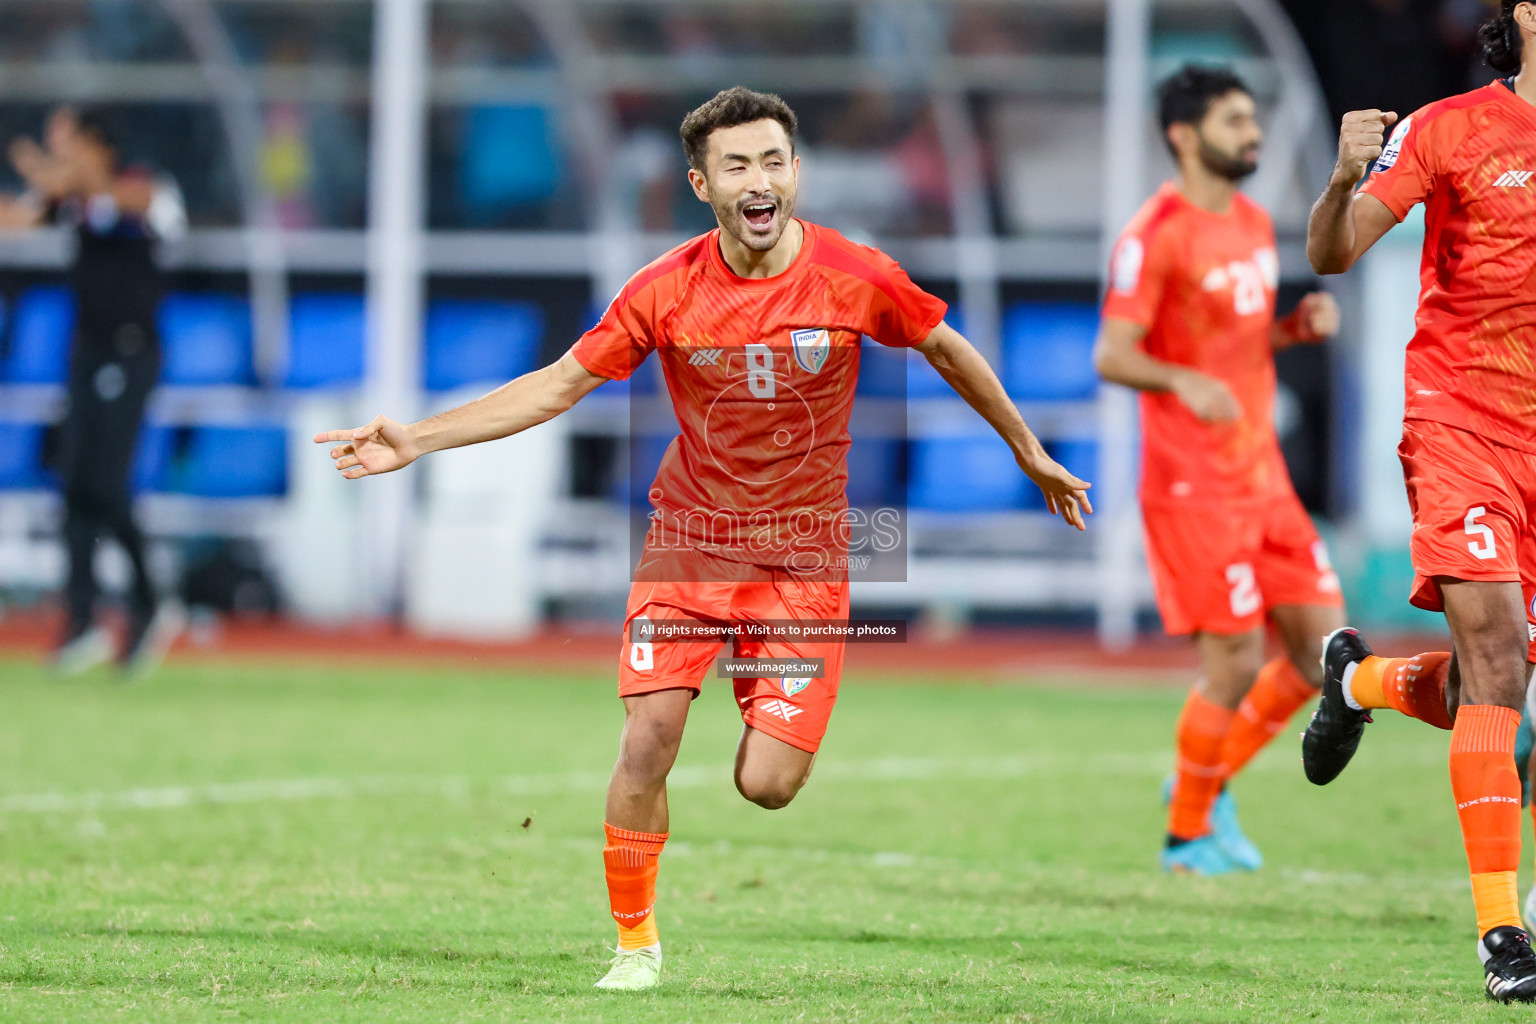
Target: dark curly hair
(1503,49)
(729,108)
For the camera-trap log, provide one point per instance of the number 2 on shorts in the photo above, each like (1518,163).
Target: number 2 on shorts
(1244,594)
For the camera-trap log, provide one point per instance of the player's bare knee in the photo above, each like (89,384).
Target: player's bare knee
(769,792)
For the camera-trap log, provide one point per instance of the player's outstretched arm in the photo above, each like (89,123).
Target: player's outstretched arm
(1120,359)
(963,368)
(1343,224)
(384,445)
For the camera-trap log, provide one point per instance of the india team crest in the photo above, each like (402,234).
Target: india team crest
(812,346)
(794,684)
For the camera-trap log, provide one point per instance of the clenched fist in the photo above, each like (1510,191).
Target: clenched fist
(1362,137)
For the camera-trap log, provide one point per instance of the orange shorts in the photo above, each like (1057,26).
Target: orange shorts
(1221,569)
(794,709)
(1474,512)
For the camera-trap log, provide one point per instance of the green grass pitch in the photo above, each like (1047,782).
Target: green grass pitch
(281,843)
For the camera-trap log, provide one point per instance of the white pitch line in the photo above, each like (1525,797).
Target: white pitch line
(1124,764)
(891,769)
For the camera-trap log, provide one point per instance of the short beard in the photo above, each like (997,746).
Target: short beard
(1224,165)
(730,216)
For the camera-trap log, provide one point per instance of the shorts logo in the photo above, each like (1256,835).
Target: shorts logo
(1514,179)
(812,345)
(794,684)
(783,709)
(705,357)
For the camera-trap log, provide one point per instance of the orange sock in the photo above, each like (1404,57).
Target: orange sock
(1203,728)
(1279,690)
(630,859)
(1487,792)
(1415,686)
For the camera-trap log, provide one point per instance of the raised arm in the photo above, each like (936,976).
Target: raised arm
(1120,359)
(385,445)
(1344,224)
(963,368)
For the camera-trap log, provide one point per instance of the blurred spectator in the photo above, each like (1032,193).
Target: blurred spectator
(1391,54)
(75,177)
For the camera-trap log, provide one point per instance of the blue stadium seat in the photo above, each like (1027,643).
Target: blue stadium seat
(1048,351)
(207,339)
(480,341)
(41,330)
(152,460)
(21,456)
(874,472)
(883,371)
(1081,458)
(974,472)
(326,340)
(236,462)
(510,160)
(639,458)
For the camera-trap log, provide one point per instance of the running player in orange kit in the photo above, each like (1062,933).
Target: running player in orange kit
(758,326)
(1189,321)
(1468,453)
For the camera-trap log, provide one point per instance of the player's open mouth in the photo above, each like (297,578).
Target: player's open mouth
(759,216)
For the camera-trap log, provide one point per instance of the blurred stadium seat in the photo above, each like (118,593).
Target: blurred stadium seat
(480,341)
(638,459)
(235,462)
(152,461)
(41,327)
(874,472)
(326,340)
(972,472)
(1081,458)
(206,339)
(1048,351)
(883,371)
(509,161)
(21,456)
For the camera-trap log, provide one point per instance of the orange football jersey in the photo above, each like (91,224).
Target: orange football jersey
(761,373)
(1203,285)
(1470,160)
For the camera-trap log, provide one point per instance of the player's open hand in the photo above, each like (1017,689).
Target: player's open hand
(1316,317)
(1208,398)
(1362,136)
(383,446)
(1065,494)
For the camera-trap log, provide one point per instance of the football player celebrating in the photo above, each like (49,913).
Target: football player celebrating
(758,326)
(1468,453)
(1189,321)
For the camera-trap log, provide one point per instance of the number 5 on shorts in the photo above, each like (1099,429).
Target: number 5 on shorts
(1484,546)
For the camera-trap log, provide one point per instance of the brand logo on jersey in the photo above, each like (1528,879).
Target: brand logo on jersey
(1514,179)
(794,684)
(812,346)
(783,709)
(705,357)
(1394,147)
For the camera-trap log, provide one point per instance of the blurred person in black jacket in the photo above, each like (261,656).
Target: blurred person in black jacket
(76,177)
